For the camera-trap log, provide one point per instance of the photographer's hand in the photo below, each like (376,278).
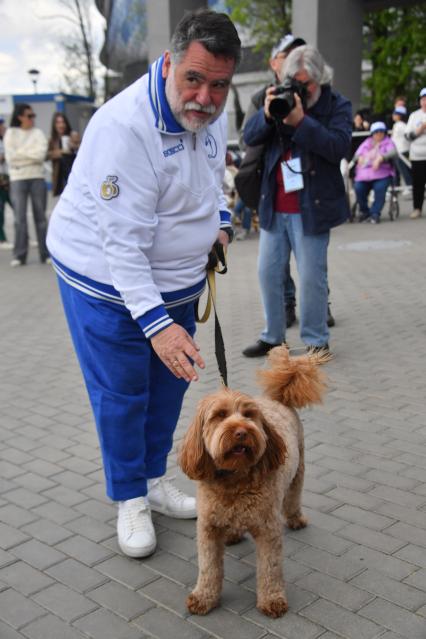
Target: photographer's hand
(295,116)
(270,95)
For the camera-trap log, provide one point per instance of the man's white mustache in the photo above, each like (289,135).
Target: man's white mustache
(194,106)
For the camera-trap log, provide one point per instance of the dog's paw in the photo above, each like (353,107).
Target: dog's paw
(275,608)
(297,522)
(199,605)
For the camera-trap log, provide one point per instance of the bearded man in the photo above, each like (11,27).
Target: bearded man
(129,241)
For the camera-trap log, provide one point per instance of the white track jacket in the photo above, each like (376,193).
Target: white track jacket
(143,205)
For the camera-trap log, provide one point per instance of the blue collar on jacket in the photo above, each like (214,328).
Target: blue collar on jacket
(164,118)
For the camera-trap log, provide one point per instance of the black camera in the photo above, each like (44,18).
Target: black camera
(281,106)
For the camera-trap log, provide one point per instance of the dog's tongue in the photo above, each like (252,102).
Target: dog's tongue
(239,450)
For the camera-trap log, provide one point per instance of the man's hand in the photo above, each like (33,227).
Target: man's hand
(174,346)
(297,114)
(269,96)
(223,238)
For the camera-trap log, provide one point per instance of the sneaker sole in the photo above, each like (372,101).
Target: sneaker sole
(174,515)
(137,552)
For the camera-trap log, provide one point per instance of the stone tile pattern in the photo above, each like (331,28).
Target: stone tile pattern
(358,571)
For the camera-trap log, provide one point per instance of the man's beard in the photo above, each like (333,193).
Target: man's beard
(180,108)
(313,99)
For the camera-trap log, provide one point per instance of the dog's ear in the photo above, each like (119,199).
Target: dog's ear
(194,458)
(276,450)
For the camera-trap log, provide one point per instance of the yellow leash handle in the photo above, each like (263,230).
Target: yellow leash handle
(219,255)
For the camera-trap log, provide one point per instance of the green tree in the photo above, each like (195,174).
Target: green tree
(264,21)
(395,44)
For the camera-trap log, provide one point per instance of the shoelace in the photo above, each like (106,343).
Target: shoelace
(170,489)
(133,521)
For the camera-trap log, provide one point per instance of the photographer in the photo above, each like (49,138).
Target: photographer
(306,128)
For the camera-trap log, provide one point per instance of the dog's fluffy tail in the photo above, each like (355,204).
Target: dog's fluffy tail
(293,381)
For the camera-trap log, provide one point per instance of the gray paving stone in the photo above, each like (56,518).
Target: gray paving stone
(84,550)
(340,620)
(65,496)
(50,627)
(47,531)
(415,554)
(176,544)
(362,517)
(24,578)
(339,567)
(163,624)
(56,512)
(390,589)
(130,572)
(121,600)
(317,538)
(222,623)
(76,575)
(355,498)
(37,554)
(395,495)
(10,537)
(64,602)
(17,610)
(408,533)
(417,579)
(172,596)
(290,626)
(371,538)
(6,632)
(346,595)
(103,624)
(16,516)
(172,567)
(95,530)
(395,618)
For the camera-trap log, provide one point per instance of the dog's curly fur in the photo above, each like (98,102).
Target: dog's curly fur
(247,455)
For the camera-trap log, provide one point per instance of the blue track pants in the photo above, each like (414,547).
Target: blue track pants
(136,400)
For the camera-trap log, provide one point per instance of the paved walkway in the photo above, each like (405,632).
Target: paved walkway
(358,571)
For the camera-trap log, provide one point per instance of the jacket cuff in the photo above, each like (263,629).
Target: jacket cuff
(225,219)
(154,321)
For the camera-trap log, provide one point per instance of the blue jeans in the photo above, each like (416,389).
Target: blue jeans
(20,192)
(310,251)
(362,189)
(244,213)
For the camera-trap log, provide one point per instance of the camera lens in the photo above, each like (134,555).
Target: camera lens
(281,106)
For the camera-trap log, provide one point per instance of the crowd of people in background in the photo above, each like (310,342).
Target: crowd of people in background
(24,150)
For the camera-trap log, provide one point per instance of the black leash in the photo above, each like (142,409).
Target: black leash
(216,264)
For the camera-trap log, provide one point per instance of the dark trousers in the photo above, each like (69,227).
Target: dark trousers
(418,171)
(20,192)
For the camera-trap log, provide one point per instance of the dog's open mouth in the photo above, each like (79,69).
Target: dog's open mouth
(238,451)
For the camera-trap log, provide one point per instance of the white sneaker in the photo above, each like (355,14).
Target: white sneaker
(6,246)
(14,263)
(167,499)
(136,534)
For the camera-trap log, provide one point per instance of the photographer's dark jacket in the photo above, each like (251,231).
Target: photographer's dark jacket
(322,139)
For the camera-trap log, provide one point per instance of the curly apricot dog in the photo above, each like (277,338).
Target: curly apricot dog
(247,454)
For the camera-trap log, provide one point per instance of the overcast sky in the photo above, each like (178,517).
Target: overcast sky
(29,40)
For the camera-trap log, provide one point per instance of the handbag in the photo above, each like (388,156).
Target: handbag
(248,180)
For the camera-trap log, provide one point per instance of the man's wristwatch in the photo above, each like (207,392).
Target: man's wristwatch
(229,232)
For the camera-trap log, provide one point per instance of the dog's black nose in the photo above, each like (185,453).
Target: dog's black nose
(240,433)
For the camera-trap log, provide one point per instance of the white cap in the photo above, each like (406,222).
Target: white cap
(400,109)
(286,42)
(422,92)
(378,126)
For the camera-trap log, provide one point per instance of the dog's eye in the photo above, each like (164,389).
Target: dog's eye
(249,414)
(221,413)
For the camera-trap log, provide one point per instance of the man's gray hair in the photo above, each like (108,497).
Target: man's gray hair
(309,59)
(215,31)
